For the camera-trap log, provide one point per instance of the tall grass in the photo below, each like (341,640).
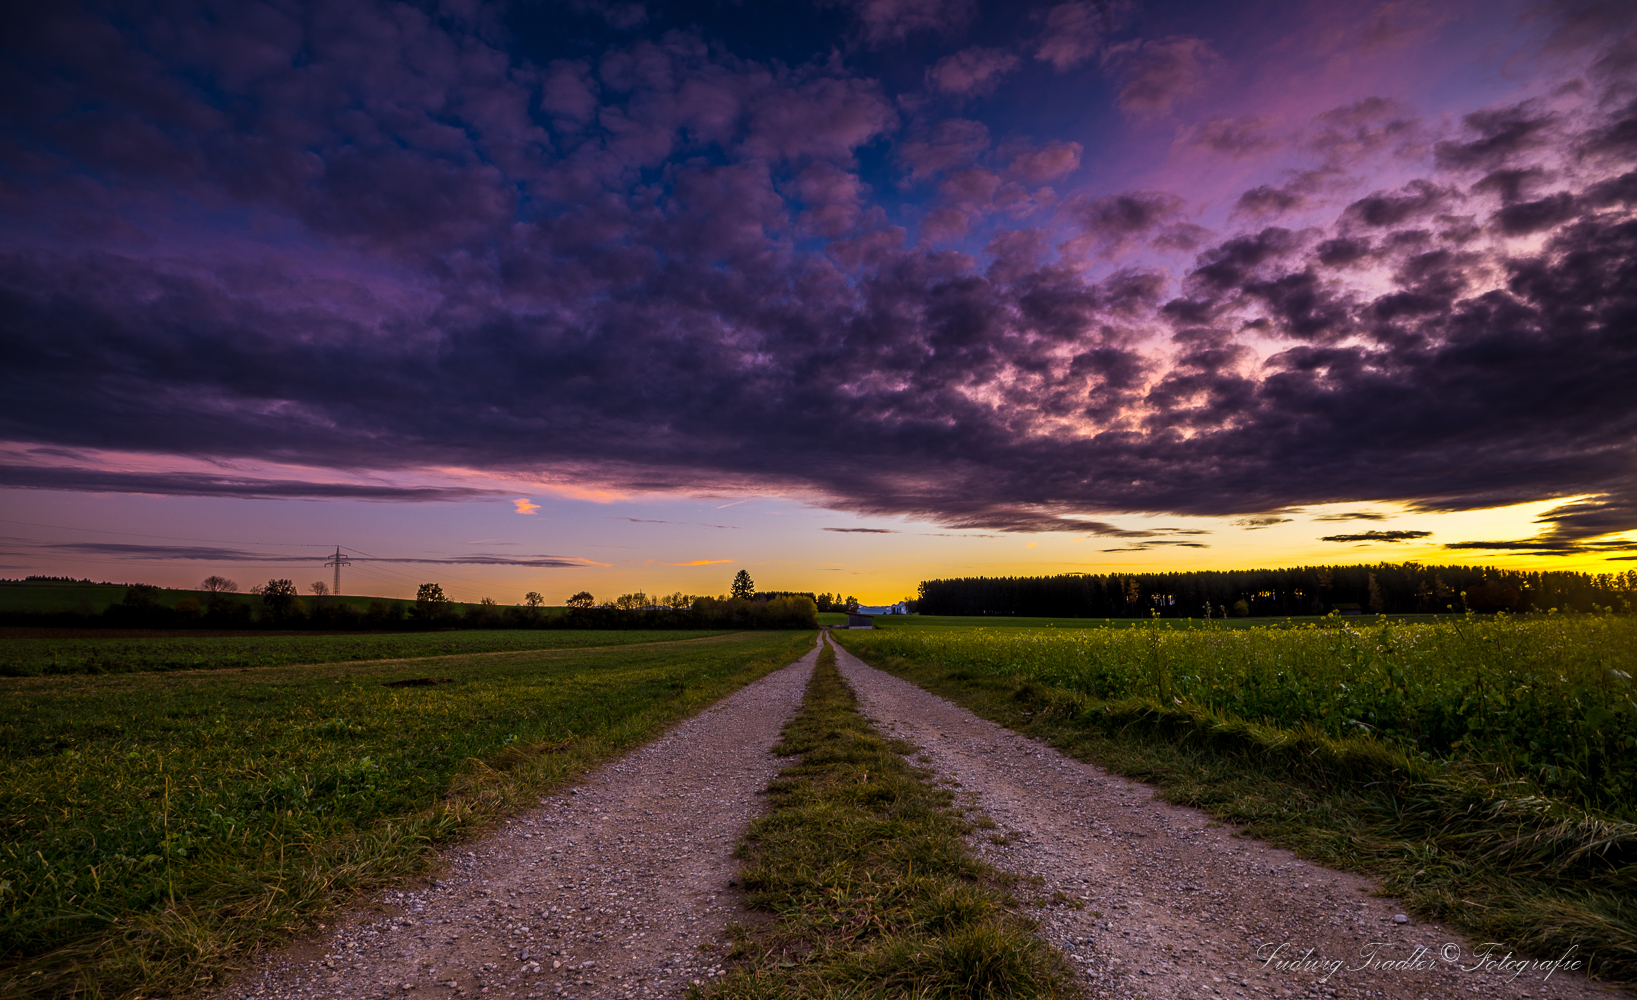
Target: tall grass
(1549,700)
(1480,768)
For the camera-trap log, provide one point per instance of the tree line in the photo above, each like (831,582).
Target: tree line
(1384,588)
(278,604)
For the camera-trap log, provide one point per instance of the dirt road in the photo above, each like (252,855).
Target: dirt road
(1174,907)
(607,891)
(621,888)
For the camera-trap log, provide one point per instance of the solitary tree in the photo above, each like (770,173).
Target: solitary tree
(219,585)
(278,597)
(743,586)
(319,588)
(430,602)
(582,600)
(533,599)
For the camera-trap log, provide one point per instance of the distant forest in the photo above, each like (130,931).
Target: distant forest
(1386,588)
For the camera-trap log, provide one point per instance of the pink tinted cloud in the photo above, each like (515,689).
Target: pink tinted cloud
(1245,136)
(1046,162)
(1156,74)
(952,143)
(971,72)
(1075,32)
(888,21)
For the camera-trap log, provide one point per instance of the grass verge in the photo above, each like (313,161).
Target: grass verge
(159,827)
(862,867)
(1455,844)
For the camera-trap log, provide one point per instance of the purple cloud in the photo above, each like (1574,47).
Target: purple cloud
(372,238)
(887,21)
(1231,136)
(1075,32)
(1155,75)
(971,72)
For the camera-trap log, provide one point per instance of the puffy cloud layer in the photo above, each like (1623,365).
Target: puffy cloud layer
(365,236)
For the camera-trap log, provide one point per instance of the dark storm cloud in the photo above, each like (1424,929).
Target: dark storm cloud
(1155,543)
(184,553)
(196,484)
(1352,515)
(1500,136)
(1415,200)
(1260,521)
(1574,528)
(668,267)
(1378,536)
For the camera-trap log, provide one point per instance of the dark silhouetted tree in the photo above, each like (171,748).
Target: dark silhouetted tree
(141,595)
(430,602)
(743,586)
(533,599)
(278,597)
(582,600)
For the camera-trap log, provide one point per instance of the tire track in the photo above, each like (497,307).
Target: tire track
(617,888)
(1159,901)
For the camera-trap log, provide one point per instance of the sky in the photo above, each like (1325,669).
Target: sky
(850,294)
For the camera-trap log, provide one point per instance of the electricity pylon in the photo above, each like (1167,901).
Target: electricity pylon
(338,560)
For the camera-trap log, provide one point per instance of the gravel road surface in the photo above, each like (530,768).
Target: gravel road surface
(1174,906)
(618,888)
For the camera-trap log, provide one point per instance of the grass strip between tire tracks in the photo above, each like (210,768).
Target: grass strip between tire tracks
(862,867)
(119,881)
(1542,877)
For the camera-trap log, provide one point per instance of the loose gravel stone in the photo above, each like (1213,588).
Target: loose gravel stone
(618,888)
(1151,900)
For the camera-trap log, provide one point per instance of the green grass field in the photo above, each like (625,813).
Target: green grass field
(1550,700)
(894,622)
(51,596)
(48,596)
(87,652)
(1483,768)
(159,825)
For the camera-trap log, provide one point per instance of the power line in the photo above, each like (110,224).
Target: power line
(173,538)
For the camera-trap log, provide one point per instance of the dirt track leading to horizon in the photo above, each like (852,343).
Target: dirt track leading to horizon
(1159,901)
(617,887)
(621,888)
